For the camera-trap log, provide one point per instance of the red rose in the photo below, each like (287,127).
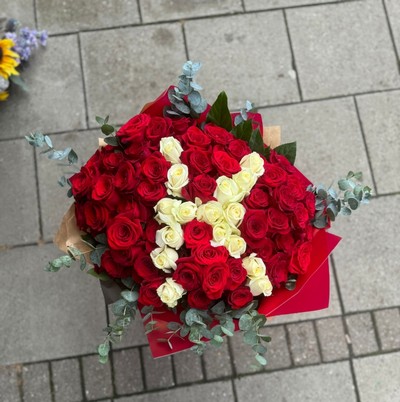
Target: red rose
(265,249)
(278,222)
(284,196)
(281,160)
(254,227)
(155,168)
(111,159)
(310,203)
(214,280)
(182,124)
(198,299)
(285,242)
(202,186)
(240,297)
(301,217)
(148,293)
(218,134)
(225,164)
(96,215)
(238,274)
(124,232)
(103,190)
(301,258)
(198,161)
(194,137)
(188,273)
(196,233)
(277,269)
(133,131)
(207,254)
(273,175)
(81,183)
(238,149)
(145,268)
(135,209)
(150,233)
(126,257)
(151,192)
(126,179)
(257,199)
(80,216)
(113,269)
(158,128)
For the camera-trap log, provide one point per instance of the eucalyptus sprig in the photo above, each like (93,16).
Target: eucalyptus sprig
(108,130)
(185,98)
(329,203)
(202,325)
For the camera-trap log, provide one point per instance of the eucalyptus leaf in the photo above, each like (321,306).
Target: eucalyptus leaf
(250,337)
(130,296)
(100,120)
(103,349)
(101,276)
(112,141)
(261,359)
(107,129)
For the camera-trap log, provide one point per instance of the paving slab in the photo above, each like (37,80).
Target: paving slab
(217,361)
(55,98)
(73,15)
(20,220)
(135,335)
(53,198)
(59,314)
(127,371)
(216,391)
(378,377)
(253,5)
(332,339)
(277,352)
(66,376)
(97,378)
(334,43)
(36,383)
(303,343)
(381,124)
(251,49)
(158,372)
(9,382)
(301,384)
(328,135)
(188,367)
(388,324)
(362,334)
(122,81)
(359,259)
(393,11)
(20,10)
(163,10)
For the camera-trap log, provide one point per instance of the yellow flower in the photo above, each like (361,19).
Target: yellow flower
(8,60)
(3,96)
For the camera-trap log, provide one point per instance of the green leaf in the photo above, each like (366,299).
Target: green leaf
(128,282)
(100,120)
(243,130)
(250,337)
(256,142)
(219,308)
(265,338)
(72,157)
(82,263)
(218,338)
(101,238)
(288,151)
(245,322)
(219,113)
(103,349)
(346,211)
(17,80)
(173,326)
(259,349)
(261,359)
(344,184)
(118,307)
(95,255)
(107,129)
(112,141)
(226,331)
(102,276)
(103,359)
(130,296)
(353,203)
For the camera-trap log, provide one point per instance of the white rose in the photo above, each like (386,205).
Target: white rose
(227,191)
(166,205)
(171,149)
(170,236)
(245,179)
(185,212)
(221,233)
(170,292)
(254,163)
(178,177)
(236,246)
(211,213)
(234,213)
(254,266)
(260,285)
(164,258)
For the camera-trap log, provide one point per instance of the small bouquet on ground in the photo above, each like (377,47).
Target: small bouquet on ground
(197,218)
(16,47)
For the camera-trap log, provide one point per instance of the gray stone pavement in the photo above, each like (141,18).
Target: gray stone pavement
(327,71)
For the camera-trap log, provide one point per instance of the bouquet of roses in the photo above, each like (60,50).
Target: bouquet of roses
(198,219)
(16,47)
